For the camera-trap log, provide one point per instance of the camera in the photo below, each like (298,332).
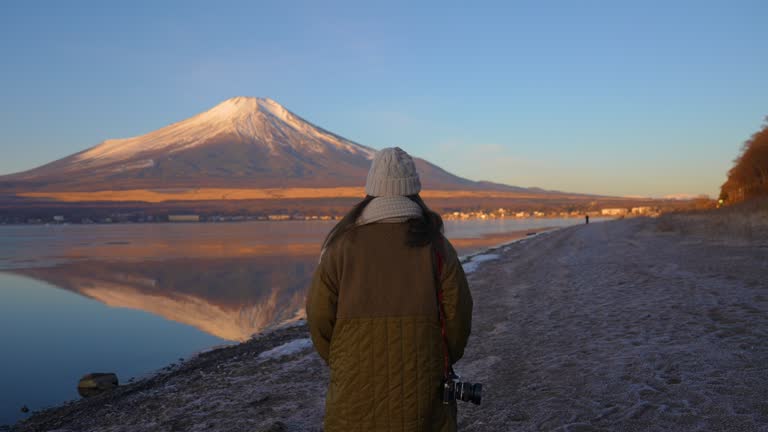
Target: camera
(456,389)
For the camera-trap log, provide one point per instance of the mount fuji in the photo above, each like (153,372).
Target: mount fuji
(243,142)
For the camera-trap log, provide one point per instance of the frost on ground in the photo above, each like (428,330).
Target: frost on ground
(474,262)
(230,389)
(619,326)
(614,326)
(286,349)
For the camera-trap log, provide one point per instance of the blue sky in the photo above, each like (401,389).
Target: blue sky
(614,97)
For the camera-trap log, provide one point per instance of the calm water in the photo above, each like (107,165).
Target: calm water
(134,298)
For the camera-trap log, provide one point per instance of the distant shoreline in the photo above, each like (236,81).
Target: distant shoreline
(302,204)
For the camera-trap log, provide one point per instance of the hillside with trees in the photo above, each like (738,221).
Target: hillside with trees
(749,176)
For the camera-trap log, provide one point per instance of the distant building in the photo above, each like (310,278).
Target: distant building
(614,212)
(642,210)
(183,218)
(279,217)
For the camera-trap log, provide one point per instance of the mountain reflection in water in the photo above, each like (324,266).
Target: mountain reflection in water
(231,298)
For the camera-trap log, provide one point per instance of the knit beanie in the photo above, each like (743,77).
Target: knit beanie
(392,173)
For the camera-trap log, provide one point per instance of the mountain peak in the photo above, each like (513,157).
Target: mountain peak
(248,117)
(240,106)
(239,103)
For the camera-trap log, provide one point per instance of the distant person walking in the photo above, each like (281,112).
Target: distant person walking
(587,218)
(372,308)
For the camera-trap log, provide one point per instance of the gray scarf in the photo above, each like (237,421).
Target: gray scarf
(389,209)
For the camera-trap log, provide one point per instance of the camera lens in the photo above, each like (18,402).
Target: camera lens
(469,392)
(474,393)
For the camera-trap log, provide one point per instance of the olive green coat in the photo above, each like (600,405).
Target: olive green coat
(372,314)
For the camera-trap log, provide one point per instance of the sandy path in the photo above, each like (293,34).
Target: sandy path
(616,326)
(613,326)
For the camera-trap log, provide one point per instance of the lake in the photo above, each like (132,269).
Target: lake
(134,298)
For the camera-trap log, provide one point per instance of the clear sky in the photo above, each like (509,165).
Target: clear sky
(614,97)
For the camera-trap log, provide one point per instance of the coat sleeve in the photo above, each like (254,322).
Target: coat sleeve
(457,303)
(321,306)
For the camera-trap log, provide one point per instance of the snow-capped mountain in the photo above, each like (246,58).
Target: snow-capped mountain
(260,120)
(241,142)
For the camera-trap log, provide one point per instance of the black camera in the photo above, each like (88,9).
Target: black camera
(456,389)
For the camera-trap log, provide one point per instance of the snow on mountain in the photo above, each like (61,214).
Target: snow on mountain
(251,117)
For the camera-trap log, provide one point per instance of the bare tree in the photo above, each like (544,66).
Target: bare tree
(749,176)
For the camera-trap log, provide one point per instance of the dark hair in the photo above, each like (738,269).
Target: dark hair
(348,222)
(425,230)
(421,231)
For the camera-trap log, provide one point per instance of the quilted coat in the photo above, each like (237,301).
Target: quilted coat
(372,314)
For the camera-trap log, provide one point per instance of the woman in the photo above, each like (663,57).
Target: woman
(372,308)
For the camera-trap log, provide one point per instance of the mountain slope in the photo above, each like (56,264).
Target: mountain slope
(243,142)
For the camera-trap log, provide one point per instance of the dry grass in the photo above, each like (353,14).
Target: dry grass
(214,194)
(745,222)
(202,194)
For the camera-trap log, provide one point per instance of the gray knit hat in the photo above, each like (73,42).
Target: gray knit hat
(392,173)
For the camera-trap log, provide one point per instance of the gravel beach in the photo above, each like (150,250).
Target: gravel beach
(612,326)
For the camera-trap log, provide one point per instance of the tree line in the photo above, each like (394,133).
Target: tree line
(749,176)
